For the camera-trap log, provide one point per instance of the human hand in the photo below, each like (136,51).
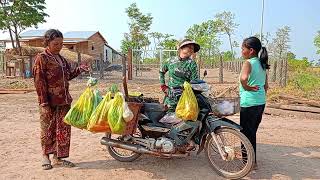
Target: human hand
(254,88)
(164,88)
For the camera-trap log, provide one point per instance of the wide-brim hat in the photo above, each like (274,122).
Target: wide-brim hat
(195,45)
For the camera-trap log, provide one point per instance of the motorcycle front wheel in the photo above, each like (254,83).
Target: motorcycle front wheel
(238,153)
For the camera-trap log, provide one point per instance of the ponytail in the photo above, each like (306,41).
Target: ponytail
(264,58)
(255,43)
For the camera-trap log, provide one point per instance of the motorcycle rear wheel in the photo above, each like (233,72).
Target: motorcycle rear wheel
(121,155)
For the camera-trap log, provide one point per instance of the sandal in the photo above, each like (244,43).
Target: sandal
(65,163)
(46,164)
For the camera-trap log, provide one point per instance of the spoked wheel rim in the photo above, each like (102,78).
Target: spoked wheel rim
(119,151)
(238,153)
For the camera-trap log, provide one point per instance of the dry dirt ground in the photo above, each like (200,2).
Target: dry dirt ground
(288,146)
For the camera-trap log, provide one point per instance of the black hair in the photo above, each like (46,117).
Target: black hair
(255,44)
(50,35)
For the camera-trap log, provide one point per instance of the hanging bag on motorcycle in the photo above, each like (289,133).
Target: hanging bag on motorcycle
(98,121)
(115,113)
(78,116)
(187,108)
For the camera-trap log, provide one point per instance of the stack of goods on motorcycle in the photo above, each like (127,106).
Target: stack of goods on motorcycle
(95,113)
(187,108)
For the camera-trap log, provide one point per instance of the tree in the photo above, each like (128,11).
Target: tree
(280,43)
(291,55)
(317,42)
(205,34)
(19,15)
(169,43)
(225,23)
(157,37)
(265,38)
(139,26)
(227,56)
(163,41)
(316,62)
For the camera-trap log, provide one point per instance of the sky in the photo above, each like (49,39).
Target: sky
(176,16)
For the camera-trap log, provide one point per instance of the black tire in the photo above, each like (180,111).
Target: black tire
(249,151)
(118,156)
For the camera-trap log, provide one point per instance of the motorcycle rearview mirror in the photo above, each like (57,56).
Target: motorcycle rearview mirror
(205,73)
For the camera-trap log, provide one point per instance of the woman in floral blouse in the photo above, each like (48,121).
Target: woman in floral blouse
(51,75)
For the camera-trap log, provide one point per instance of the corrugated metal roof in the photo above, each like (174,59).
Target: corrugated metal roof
(73,41)
(79,34)
(21,39)
(33,33)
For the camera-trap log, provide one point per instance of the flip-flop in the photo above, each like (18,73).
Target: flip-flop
(46,166)
(65,163)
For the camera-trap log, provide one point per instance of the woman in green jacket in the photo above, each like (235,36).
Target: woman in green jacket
(181,68)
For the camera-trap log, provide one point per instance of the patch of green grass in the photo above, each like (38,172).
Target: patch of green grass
(305,81)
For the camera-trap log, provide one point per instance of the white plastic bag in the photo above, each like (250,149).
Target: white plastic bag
(127,113)
(170,118)
(225,107)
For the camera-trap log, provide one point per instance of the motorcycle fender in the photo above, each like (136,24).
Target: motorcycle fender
(223,122)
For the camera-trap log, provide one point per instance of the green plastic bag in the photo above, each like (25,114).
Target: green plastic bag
(97,98)
(114,88)
(116,122)
(98,121)
(78,116)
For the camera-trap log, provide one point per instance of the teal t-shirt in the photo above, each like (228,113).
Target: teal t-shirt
(256,77)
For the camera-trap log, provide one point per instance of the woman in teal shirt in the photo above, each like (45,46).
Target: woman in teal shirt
(253,87)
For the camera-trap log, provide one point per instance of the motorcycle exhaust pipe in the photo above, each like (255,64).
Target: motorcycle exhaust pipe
(131,147)
(136,148)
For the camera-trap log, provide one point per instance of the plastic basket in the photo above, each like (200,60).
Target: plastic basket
(225,106)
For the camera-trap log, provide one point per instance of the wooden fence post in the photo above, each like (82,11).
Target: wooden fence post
(130,64)
(284,73)
(30,66)
(279,72)
(2,62)
(22,68)
(79,63)
(101,66)
(274,71)
(124,66)
(221,70)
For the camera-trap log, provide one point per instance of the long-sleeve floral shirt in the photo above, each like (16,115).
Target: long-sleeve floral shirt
(51,75)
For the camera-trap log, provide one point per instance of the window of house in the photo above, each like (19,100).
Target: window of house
(92,48)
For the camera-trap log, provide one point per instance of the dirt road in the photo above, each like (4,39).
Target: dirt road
(289,148)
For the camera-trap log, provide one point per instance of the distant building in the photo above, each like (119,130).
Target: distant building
(86,42)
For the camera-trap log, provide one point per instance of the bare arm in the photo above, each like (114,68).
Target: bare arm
(245,73)
(266,85)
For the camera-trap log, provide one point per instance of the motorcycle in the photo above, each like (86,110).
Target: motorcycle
(228,151)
